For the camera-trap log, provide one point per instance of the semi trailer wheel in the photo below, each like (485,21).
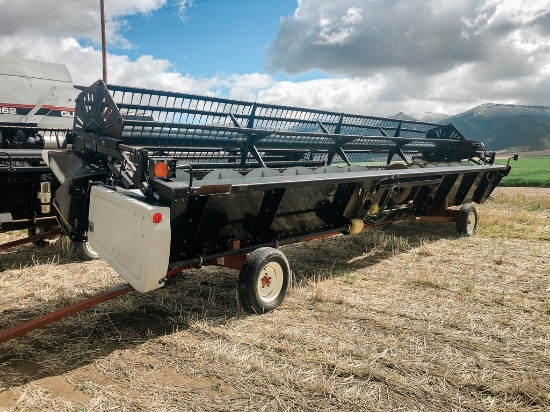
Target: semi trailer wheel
(466,221)
(264,280)
(84,251)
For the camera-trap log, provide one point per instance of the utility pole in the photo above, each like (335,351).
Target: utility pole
(103,41)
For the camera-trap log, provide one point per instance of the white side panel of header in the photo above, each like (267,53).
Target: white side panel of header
(123,233)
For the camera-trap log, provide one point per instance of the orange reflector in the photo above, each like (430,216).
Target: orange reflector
(157,217)
(161,170)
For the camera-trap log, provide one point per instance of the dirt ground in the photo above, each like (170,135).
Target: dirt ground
(409,318)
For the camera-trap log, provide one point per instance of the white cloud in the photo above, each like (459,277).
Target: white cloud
(458,53)
(346,94)
(79,18)
(338,32)
(183,8)
(353,15)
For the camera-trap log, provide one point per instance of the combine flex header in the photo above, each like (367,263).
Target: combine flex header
(162,181)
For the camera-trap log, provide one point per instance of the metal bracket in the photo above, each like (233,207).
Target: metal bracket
(338,142)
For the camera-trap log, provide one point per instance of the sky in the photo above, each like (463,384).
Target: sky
(373,57)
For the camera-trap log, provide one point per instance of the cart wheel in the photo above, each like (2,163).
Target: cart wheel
(466,221)
(263,280)
(84,251)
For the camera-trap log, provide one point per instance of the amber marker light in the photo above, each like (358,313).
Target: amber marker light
(161,170)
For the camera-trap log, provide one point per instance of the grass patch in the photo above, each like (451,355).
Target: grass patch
(324,292)
(85,387)
(430,280)
(520,213)
(529,172)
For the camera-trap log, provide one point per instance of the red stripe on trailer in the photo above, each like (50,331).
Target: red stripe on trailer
(30,106)
(17,105)
(65,109)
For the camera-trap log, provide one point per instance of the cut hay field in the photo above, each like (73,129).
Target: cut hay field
(407,318)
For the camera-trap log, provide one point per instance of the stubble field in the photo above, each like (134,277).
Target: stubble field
(406,318)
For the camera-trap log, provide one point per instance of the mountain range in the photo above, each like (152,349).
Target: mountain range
(498,126)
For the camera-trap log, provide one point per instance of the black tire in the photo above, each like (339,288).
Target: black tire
(264,280)
(84,251)
(466,221)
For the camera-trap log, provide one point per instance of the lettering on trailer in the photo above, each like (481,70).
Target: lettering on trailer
(46,110)
(8,110)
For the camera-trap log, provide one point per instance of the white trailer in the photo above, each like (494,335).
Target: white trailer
(37,102)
